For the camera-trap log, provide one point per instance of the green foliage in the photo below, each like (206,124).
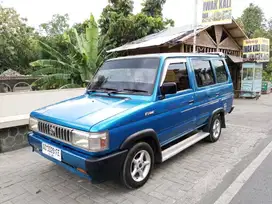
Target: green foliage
(113,11)
(52,34)
(267,73)
(75,68)
(57,26)
(81,27)
(17,42)
(153,7)
(121,26)
(67,57)
(240,22)
(253,19)
(255,25)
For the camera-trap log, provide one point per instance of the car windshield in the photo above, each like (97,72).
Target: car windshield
(135,75)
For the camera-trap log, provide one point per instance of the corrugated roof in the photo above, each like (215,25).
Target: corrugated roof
(160,38)
(179,34)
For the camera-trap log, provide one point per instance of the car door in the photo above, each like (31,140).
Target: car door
(207,93)
(224,84)
(177,110)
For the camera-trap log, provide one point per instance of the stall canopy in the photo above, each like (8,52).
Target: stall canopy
(235,59)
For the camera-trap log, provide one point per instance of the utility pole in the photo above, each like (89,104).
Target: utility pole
(195,25)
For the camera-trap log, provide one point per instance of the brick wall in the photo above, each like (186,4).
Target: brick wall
(13,138)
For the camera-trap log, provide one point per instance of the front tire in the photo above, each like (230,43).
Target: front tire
(215,129)
(138,165)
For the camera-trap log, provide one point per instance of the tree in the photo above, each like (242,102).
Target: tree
(121,26)
(17,42)
(240,23)
(57,26)
(252,19)
(74,69)
(153,7)
(113,11)
(81,27)
(52,34)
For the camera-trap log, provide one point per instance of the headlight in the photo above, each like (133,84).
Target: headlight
(93,142)
(33,124)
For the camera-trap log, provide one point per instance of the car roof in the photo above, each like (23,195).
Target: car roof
(177,54)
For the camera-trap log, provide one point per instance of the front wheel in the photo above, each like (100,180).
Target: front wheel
(215,129)
(138,165)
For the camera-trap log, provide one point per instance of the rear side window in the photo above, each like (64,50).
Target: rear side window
(177,72)
(220,71)
(203,72)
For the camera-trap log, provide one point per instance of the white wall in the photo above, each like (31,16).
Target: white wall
(19,103)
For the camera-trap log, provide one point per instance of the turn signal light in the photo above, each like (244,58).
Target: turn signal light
(81,170)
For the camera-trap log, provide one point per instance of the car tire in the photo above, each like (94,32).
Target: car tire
(137,166)
(215,129)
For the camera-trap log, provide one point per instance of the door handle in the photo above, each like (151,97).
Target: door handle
(191,101)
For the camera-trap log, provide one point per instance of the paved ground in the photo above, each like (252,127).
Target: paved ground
(25,177)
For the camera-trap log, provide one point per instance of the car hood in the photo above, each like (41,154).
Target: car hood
(85,111)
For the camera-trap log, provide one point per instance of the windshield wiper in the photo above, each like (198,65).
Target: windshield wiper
(104,90)
(92,90)
(110,90)
(136,90)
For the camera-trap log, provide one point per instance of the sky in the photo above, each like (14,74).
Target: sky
(181,11)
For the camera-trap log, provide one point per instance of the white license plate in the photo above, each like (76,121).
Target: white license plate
(51,151)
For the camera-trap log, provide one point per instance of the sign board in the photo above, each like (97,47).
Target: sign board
(256,50)
(216,12)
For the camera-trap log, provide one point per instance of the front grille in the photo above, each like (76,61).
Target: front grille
(59,132)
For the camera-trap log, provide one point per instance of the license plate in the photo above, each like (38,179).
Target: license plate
(51,151)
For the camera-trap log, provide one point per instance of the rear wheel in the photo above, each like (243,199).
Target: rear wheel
(138,165)
(215,129)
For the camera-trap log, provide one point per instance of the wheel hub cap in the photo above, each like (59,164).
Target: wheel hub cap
(216,128)
(140,166)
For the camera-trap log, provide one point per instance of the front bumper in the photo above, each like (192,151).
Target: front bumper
(96,169)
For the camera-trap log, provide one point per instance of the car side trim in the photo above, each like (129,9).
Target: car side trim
(232,108)
(217,111)
(147,134)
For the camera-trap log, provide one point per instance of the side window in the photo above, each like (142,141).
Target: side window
(203,72)
(177,72)
(220,71)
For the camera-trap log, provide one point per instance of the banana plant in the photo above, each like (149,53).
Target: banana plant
(74,69)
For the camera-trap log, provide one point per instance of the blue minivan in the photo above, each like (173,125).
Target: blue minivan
(137,111)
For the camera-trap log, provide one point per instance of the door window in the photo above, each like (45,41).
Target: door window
(247,74)
(258,73)
(220,71)
(203,72)
(177,72)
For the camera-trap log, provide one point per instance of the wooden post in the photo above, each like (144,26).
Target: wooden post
(182,47)
(195,26)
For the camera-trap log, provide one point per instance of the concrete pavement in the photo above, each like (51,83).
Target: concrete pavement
(26,177)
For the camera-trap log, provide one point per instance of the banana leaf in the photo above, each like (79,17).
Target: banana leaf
(52,63)
(54,53)
(69,86)
(50,70)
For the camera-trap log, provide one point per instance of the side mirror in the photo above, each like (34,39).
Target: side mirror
(168,88)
